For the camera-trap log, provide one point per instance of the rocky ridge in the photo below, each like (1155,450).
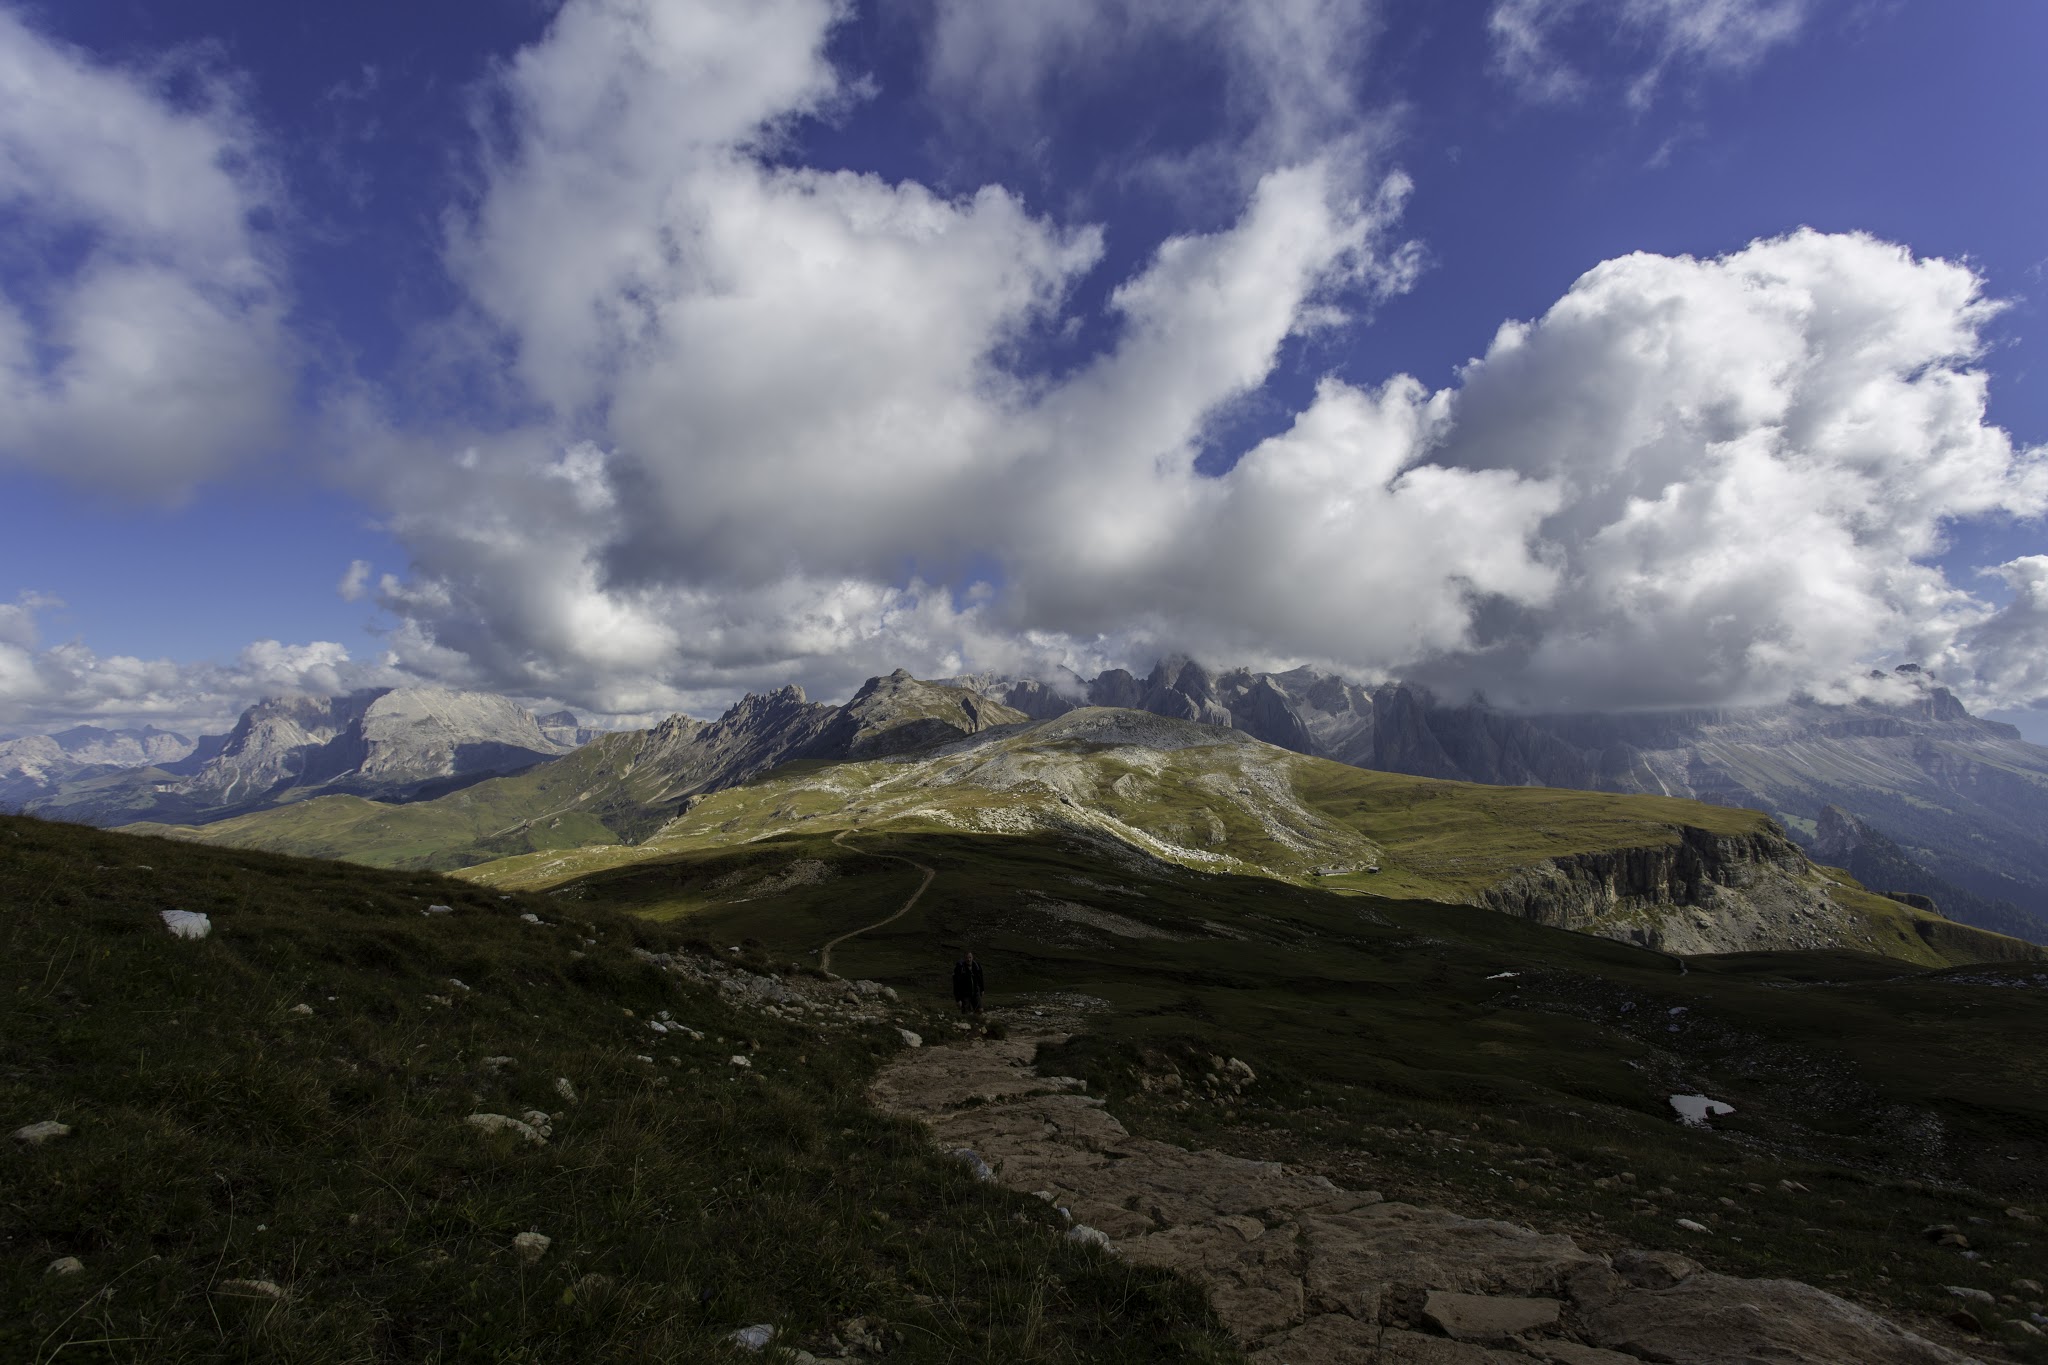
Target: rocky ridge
(1970,793)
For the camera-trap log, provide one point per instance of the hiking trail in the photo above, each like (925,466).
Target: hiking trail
(1304,1272)
(825,953)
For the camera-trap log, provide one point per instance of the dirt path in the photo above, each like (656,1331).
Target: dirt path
(825,953)
(1304,1272)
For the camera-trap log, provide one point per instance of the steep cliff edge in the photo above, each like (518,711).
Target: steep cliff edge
(1709,892)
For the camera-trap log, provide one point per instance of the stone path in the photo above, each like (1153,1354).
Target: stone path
(1306,1273)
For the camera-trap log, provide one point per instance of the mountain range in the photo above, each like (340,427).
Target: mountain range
(1134,791)
(397,744)
(1955,807)
(1964,800)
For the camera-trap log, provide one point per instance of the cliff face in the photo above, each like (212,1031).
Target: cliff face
(369,742)
(1714,893)
(1704,893)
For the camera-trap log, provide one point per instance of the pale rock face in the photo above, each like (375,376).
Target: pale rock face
(562,728)
(34,765)
(373,743)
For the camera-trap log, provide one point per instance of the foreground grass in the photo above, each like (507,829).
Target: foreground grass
(1458,1057)
(222,1135)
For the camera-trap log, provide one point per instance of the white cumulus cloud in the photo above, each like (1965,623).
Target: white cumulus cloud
(791,437)
(158,357)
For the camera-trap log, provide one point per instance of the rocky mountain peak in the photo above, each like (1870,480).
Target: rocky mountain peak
(897,713)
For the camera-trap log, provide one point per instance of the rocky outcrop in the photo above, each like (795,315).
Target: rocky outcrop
(1701,893)
(1305,1272)
(1718,893)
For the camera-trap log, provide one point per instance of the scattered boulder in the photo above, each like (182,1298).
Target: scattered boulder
(1087,1236)
(438,910)
(302,1010)
(64,1265)
(972,1160)
(250,1289)
(755,1338)
(531,1246)
(910,1039)
(36,1134)
(1971,1295)
(503,1123)
(738,1059)
(1690,1226)
(187,923)
(566,1090)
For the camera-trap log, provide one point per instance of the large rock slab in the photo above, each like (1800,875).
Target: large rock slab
(1305,1272)
(1706,1319)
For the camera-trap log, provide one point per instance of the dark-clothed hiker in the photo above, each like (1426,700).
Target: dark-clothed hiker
(968,984)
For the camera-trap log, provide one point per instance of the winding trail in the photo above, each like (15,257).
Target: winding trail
(825,954)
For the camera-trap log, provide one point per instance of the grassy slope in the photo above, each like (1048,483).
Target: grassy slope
(221,1136)
(1899,1098)
(1430,839)
(1222,803)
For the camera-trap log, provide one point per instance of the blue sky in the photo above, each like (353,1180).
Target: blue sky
(642,354)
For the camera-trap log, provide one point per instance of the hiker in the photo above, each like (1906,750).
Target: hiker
(967,984)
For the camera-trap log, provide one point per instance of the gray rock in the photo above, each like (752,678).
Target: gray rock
(1487,1318)
(187,923)
(755,1338)
(502,1123)
(969,1158)
(531,1246)
(36,1134)
(64,1265)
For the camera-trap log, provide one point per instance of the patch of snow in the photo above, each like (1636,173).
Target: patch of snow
(1695,1110)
